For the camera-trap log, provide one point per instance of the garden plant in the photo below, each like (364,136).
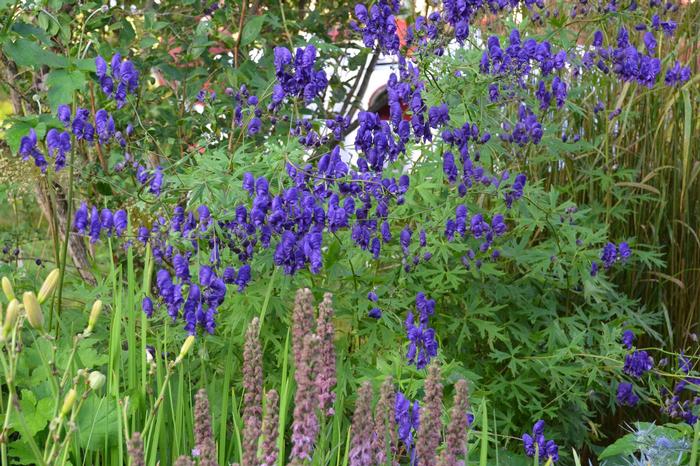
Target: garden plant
(445,232)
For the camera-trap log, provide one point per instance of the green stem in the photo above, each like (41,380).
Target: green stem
(64,253)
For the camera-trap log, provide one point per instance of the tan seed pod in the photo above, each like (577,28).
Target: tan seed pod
(7,289)
(33,310)
(49,285)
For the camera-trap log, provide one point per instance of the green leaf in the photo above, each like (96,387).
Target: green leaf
(62,84)
(97,421)
(85,64)
(36,414)
(27,53)
(624,446)
(27,30)
(252,28)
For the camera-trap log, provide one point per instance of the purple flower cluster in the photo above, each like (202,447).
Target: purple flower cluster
(612,254)
(674,405)
(538,444)
(375,312)
(479,229)
(423,345)
(28,148)
(152,178)
(625,60)
(196,301)
(243,100)
(460,13)
(407,417)
(123,78)
(379,25)
(322,199)
(96,222)
(638,363)
(626,395)
(677,75)
(376,143)
(628,339)
(296,76)
(520,58)
(58,143)
(405,92)
(527,130)
(424,30)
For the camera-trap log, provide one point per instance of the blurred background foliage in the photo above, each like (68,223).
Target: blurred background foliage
(520,335)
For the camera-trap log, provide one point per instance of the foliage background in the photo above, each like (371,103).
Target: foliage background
(519,331)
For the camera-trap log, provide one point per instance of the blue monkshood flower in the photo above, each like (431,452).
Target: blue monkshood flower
(407,418)
(594,269)
(147,306)
(58,144)
(297,77)
(243,277)
(104,126)
(81,126)
(121,221)
(80,222)
(677,75)
(107,221)
(650,42)
(28,148)
(372,296)
(449,167)
(375,313)
(143,234)
(229,275)
(637,364)
(64,114)
(422,343)
(249,183)
(182,267)
(379,25)
(624,251)
(625,394)
(386,232)
(405,239)
(438,116)
(628,338)
(122,80)
(156,181)
(608,255)
(536,442)
(254,126)
(425,307)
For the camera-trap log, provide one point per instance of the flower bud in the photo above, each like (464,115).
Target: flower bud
(96,380)
(33,310)
(10,317)
(7,289)
(94,314)
(49,285)
(186,346)
(68,401)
